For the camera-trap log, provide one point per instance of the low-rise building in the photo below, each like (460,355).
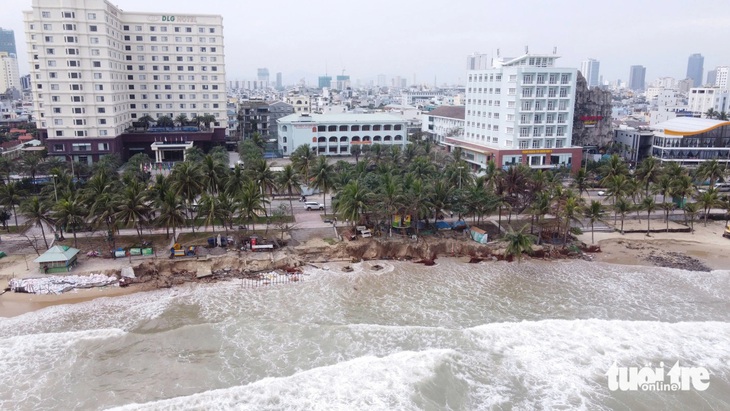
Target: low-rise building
(335,134)
(690,141)
(637,143)
(444,121)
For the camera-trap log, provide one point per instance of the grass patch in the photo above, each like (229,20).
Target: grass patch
(330,241)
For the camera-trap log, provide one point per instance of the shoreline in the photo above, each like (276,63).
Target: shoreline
(703,251)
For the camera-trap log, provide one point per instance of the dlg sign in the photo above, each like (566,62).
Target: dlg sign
(180,19)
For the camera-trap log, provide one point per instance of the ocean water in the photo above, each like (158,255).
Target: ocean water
(454,336)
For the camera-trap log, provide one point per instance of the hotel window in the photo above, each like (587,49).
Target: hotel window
(524,131)
(47,27)
(565,79)
(69,27)
(553,79)
(93,28)
(563,92)
(48,39)
(560,131)
(46,14)
(535,143)
(68,15)
(540,79)
(56,110)
(163,28)
(551,105)
(559,143)
(563,105)
(523,144)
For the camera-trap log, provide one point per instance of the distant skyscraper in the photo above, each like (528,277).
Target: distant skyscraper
(279,85)
(7,41)
(711,76)
(477,62)
(637,76)
(382,81)
(9,77)
(695,68)
(263,76)
(324,81)
(589,69)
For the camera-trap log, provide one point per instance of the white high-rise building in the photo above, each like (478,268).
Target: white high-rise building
(96,69)
(721,74)
(589,69)
(520,111)
(9,76)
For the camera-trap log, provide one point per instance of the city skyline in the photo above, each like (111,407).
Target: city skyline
(410,40)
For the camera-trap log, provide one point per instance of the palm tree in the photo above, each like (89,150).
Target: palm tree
(11,195)
(70,212)
(708,200)
(214,172)
(6,166)
(171,213)
(356,151)
(181,119)
(442,196)
(302,158)
(389,196)
(37,213)
(288,180)
(581,181)
(353,201)
(622,207)
(321,177)
(251,202)
(722,116)
(617,187)
(187,182)
(208,208)
(165,121)
(262,175)
(594,213)
(418,200)
(571,210)
(539,208)
(710,170)
(518,243)
(133,207)
(649,171)
(615,166)
(648,205)
(236,180)
(31,164)
(710,113)
(691,210)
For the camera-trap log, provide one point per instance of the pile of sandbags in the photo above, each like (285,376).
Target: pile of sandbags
(57,284)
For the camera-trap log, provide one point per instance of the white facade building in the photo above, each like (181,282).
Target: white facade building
(9,76)
(335,134)
(589,68)
(95,69)
(444,121)
(701,99)
(721,77)
(520,111)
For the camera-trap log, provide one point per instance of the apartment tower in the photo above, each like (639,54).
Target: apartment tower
(97,69)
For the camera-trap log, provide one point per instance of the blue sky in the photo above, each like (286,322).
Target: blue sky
(431,39)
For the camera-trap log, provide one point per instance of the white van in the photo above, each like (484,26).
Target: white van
(722,187)
(313,205)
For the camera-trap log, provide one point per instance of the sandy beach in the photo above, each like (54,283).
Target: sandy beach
(704,248)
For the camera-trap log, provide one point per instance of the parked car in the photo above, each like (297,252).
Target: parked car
(601,193)
(313,205)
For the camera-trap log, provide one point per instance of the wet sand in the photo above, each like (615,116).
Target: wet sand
(706,245)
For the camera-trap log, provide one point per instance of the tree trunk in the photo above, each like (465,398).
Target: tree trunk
(622,225)
(43,233)
(73,230)
(16,218)
(648,222)
(592,234)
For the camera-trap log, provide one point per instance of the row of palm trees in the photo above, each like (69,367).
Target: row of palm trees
(385,181)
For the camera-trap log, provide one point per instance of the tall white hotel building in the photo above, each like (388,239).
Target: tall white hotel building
(96,69)
(519,110)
